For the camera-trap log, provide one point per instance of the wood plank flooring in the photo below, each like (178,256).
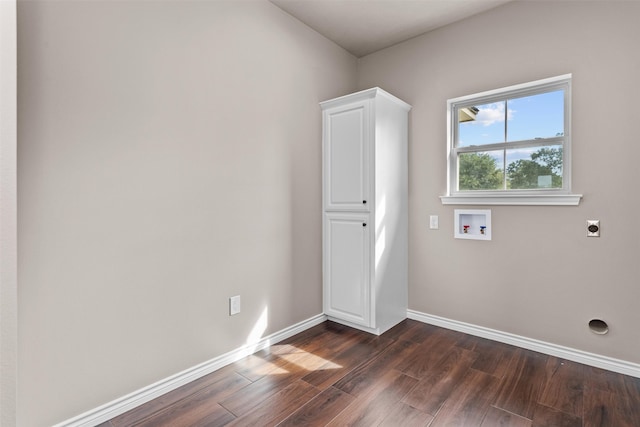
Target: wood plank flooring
(413,375)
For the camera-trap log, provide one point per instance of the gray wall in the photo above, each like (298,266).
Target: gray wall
(539,277)
(169,158)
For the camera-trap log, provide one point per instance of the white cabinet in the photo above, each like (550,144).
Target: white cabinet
(365,209)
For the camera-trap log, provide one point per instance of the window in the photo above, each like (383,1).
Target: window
(511,145)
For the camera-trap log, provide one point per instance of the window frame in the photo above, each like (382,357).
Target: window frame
(538,196)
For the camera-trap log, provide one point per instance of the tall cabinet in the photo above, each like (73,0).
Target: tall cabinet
(364,141)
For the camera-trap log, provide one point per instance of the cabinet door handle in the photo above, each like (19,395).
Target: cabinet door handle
(364,202)
(364,224)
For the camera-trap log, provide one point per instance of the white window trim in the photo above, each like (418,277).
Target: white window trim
(554,197)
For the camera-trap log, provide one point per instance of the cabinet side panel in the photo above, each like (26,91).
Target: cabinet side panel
(391,210)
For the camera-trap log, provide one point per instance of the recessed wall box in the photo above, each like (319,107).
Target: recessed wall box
(474,224)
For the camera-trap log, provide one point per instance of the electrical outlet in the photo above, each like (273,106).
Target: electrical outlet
(593,228)
(234,305)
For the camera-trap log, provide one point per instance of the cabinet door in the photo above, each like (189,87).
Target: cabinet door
(346,267)
(347,142)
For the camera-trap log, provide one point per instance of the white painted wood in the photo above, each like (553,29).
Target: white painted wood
(517,89)
(514,199)
(346,132)
(390,262)
(123,404)
(374,92)
(575,355)
(370,125)
(346,265)
(376,331)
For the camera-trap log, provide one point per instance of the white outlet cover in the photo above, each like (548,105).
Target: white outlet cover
(234,305)
(593,228)
(433,222)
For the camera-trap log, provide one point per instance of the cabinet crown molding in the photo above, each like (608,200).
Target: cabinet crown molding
(362,95)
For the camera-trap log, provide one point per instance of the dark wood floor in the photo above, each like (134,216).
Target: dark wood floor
(413,375)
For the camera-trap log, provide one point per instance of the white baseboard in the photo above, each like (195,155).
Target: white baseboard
(126,403)
(591,359)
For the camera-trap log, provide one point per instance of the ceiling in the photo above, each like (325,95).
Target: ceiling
(365,26)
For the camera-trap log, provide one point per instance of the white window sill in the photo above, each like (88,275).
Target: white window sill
(513,199)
